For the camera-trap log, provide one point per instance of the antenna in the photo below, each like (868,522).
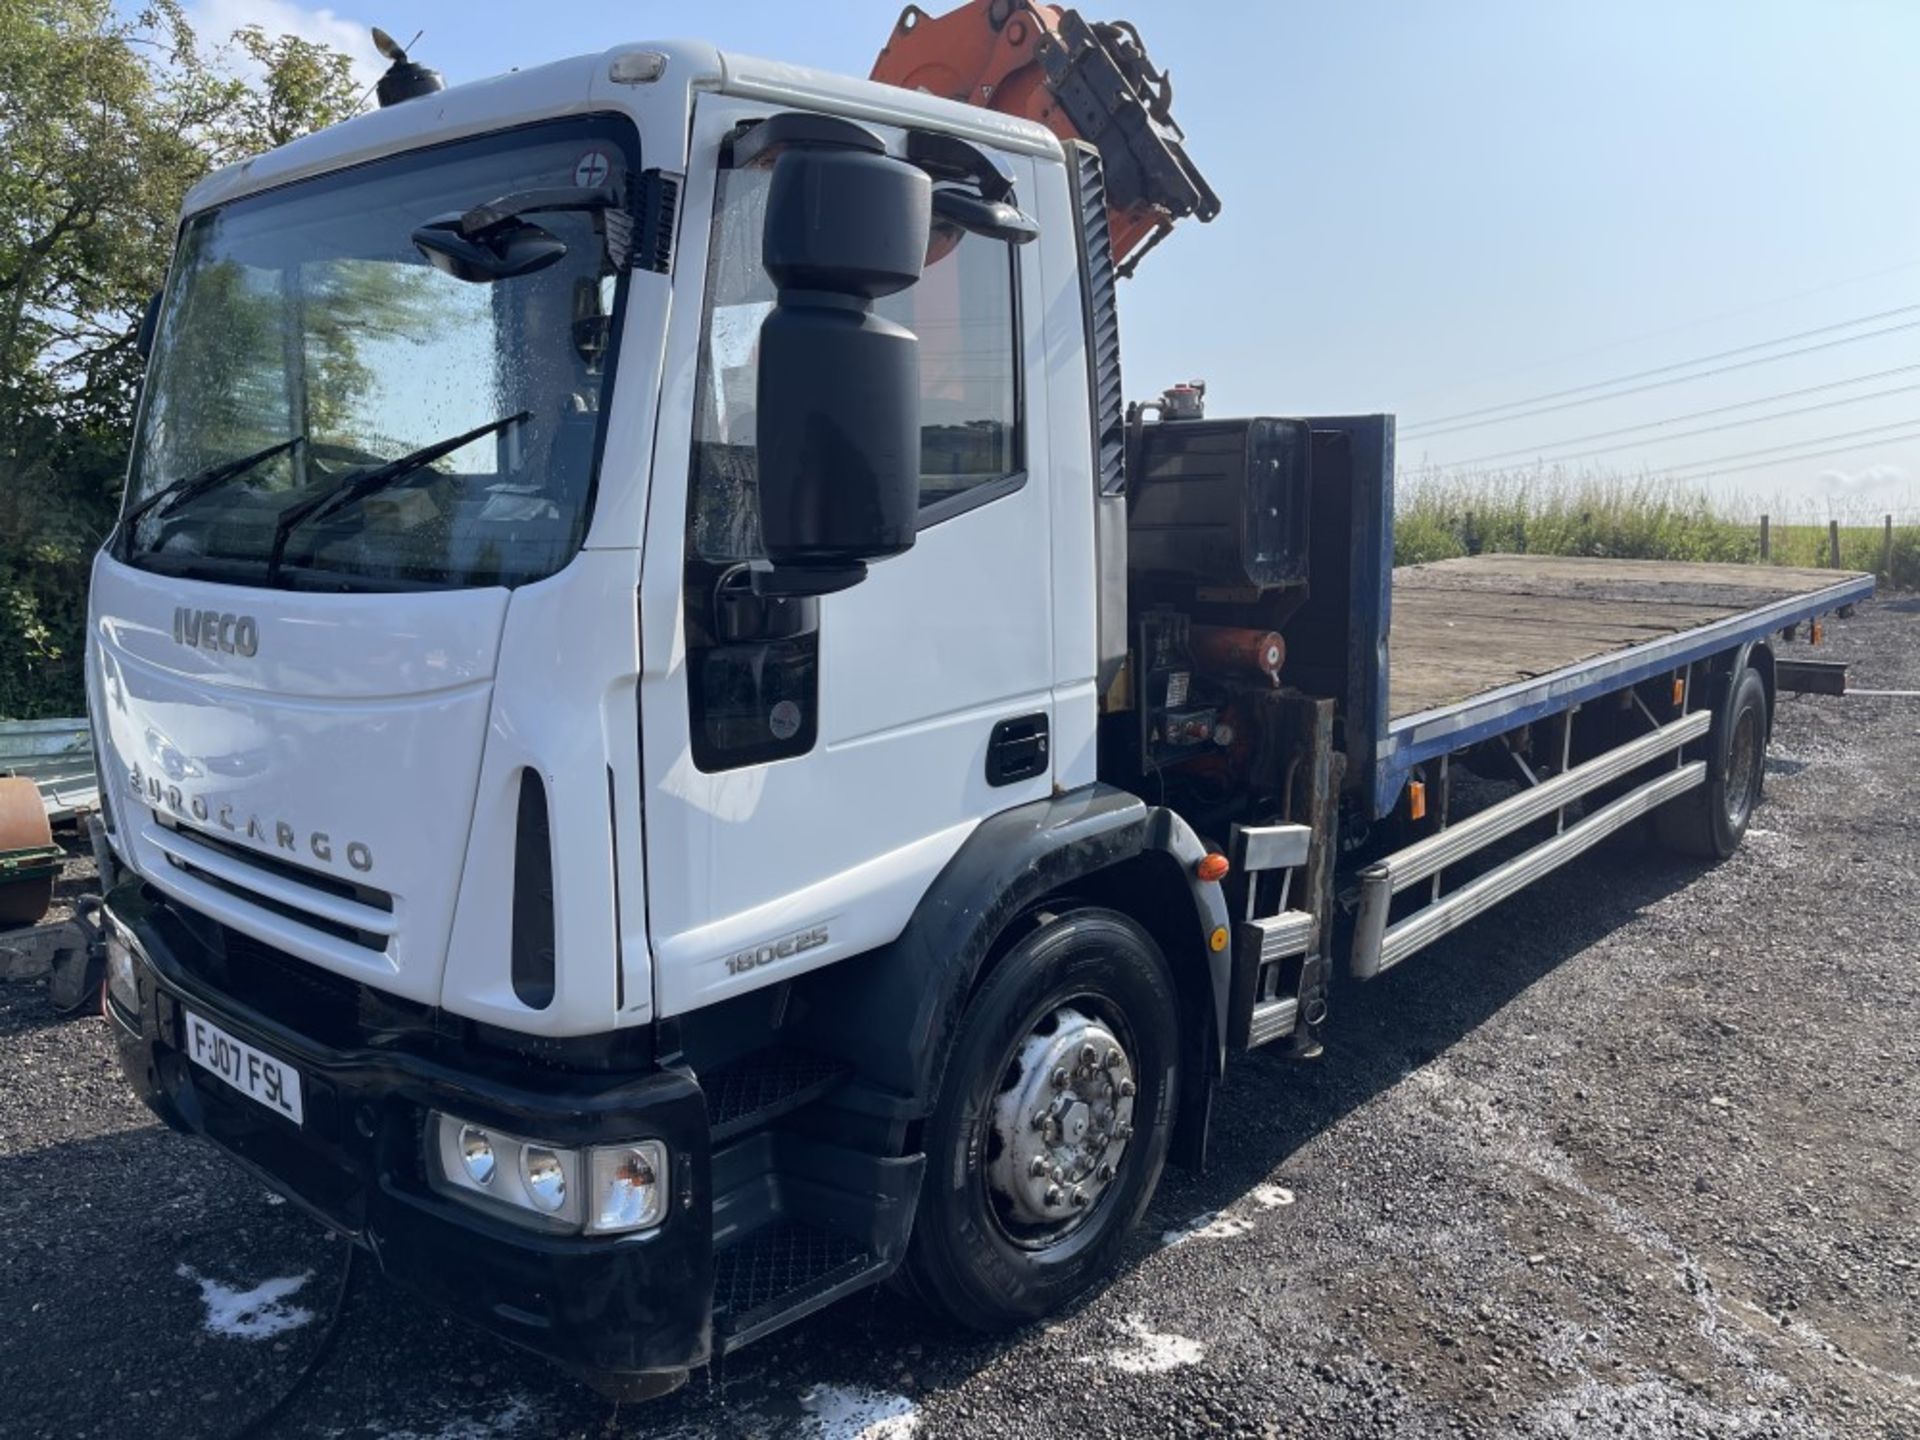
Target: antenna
(405,79)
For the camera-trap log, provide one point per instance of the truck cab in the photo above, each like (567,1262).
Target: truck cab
(498,812)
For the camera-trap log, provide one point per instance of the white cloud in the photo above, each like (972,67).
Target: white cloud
(1867,480)
(214,21)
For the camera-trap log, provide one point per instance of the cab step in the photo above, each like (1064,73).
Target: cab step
(759,1088)
(780,1273)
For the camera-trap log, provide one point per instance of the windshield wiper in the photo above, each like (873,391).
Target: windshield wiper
(176,493)
(360,484)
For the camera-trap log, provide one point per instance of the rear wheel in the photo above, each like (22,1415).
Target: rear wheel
(1051,1129)
(1710,821)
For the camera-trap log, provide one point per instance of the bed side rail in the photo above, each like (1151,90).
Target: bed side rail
(1379,945)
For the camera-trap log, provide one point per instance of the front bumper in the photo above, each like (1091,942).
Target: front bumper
(632,1305)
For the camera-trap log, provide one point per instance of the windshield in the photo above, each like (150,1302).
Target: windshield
(308,315)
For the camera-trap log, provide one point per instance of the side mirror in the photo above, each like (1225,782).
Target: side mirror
(501,252)
(149,324)
(838,402)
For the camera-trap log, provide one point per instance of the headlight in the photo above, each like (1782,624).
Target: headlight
(624,1189)
(476,1154)
(629,1187)
(122,983)
(545,1176)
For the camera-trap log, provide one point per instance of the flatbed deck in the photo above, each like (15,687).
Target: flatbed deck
(1481,644)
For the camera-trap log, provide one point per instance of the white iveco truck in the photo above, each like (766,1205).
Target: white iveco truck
(678,755)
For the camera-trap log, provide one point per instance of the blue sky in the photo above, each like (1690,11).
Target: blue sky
(1434,209)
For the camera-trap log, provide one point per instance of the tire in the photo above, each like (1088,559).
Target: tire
(1709,821)
(987,1252)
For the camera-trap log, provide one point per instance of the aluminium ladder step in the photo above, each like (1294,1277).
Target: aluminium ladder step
(1262,945)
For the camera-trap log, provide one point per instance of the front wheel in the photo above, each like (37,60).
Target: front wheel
(1052,1124)
(1710,821)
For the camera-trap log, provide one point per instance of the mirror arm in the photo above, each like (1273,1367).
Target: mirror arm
(493,214)
(948,157)
(995,219)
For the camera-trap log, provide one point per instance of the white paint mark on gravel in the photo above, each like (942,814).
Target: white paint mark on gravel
(1147,1352)
(1653,1408)
(1271,1197)
(256,1314)
(1494,1134)
(853,1412)
(1214,1225)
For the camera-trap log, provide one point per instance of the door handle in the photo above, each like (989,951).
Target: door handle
(1017,749)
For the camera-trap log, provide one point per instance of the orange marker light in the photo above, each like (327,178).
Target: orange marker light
(1679,691)
(1814,631)
(1417,799)
(1217,941)
(1212,867)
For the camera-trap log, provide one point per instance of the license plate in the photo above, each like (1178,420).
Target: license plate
(254,1073)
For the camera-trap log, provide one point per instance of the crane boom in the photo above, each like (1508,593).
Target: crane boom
(1084,81)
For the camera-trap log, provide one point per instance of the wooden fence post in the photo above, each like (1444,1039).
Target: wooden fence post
(1766,540)
(1886,550)
(1833,544)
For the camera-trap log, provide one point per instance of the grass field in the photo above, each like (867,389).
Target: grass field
(1552,512)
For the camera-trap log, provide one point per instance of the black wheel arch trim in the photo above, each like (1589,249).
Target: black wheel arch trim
(894,1010)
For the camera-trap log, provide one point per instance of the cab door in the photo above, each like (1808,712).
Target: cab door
(811,765)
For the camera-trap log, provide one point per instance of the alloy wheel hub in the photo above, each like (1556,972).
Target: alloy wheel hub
(1063,1125)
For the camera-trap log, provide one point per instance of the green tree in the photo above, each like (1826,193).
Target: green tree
(107,119)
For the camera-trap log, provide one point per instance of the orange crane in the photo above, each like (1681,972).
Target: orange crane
(1084,81)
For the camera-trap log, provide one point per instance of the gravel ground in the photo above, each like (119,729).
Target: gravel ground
(1635,1156)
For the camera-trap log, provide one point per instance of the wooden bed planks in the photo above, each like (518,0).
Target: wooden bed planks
(1464,627)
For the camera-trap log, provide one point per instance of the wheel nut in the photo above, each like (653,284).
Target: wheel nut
(1079,1196)
(1060,1078)
(1114,1057)
(1089,1056)
(1127,1087)
(1058,1175)
(1106,1172)
(1037,1166)
(1053,1196)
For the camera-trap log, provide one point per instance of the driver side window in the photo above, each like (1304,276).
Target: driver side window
(964,311)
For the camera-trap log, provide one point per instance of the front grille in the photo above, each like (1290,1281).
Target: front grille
(341,909)
(300,874)
(317,1003)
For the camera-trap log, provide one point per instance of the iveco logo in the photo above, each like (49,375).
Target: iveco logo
(212,630)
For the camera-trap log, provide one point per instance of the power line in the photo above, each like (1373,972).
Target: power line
(1816,455)
(1553,360)
(1668,369)
(1681,379)
(1690,415)
(1704,429)
(1795,445)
